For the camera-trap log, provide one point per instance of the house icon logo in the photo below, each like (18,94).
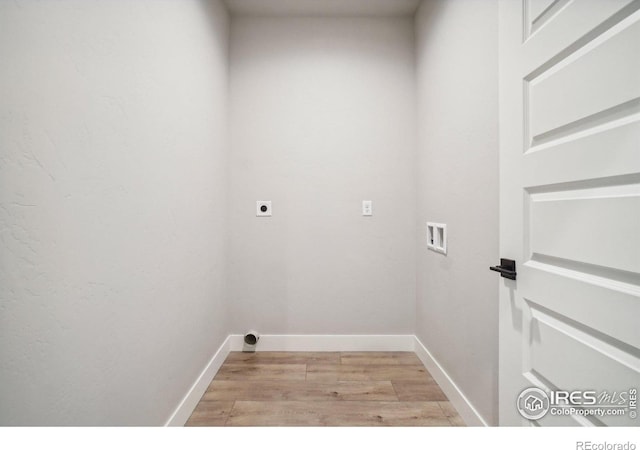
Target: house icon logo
(533,403)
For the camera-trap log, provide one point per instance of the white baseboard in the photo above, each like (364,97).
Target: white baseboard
(466,410)
(191,399)
(328,343)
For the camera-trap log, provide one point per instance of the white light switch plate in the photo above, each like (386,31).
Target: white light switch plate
(367,207)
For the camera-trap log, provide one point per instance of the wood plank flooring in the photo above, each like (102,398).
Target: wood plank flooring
(324,389)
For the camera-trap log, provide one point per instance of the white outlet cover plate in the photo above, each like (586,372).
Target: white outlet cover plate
(259,205)
(367,207)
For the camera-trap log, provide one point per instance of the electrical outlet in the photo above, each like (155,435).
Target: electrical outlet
(263,208)
(367,207)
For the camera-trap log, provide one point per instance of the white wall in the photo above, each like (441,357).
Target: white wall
(322,117)
(112,198)
(457,64)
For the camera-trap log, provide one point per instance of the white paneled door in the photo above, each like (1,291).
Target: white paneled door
(570,211)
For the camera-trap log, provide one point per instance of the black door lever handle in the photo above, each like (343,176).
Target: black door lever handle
(507,268)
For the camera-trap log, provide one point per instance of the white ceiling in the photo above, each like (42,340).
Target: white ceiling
(323,7)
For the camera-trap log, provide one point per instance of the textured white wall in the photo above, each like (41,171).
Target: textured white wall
(113,178)
(457,64)
(322,117)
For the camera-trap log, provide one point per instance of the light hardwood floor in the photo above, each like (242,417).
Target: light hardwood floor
(324,389)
